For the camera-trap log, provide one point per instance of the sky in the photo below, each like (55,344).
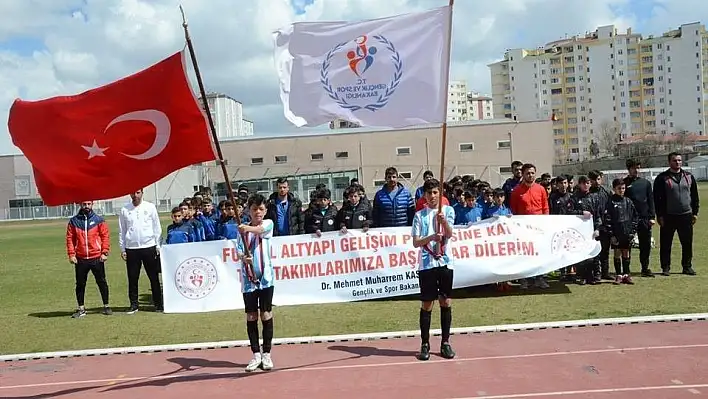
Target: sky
(64,47)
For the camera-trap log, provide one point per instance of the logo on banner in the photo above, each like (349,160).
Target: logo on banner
(569,240)
(370,78)
(196,278)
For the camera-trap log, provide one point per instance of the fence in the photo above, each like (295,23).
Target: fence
(170,192)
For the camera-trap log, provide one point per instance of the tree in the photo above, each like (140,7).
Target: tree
(594,149)
(683,140)
(610,136)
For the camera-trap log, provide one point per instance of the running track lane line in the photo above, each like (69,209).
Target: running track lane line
(375,365)
(588,392)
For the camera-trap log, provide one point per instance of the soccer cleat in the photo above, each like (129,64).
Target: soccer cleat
(446,351)
(424,353)
(79,313)
(107,311)
(689,271)
(255,363)
(627,279)
(133,309)
(266,362)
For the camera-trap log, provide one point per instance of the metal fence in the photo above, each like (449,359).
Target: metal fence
(105,208)
(301,185)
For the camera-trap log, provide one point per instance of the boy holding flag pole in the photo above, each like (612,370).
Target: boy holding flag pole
(358,71)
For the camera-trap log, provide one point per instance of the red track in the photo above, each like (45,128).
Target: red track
(647,361)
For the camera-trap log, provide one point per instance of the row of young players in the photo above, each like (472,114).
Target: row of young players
(198,220)
(614,218)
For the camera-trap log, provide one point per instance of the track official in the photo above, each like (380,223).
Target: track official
(139,235)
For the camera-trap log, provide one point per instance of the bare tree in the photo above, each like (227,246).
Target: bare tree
(684,140)
(594,149)
(610,136)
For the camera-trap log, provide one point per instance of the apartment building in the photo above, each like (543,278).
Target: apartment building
(462,105)
(606,86)
(480,107)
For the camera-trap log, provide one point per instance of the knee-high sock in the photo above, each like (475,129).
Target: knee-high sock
(618,266)
(425,326)
(252,330)
(445,322)
(625,265)
(267,335)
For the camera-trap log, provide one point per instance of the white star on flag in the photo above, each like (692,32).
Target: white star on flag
(94,150)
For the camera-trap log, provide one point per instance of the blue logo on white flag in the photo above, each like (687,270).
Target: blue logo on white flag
(375,72)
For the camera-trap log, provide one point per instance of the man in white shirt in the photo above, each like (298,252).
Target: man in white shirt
(139,236)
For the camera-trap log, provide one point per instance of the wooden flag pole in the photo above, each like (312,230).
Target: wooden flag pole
(202,91)
(447,101)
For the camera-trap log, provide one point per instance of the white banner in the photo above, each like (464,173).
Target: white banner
(204,277)
(387,72)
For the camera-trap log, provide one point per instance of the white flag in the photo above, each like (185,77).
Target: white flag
(388,72)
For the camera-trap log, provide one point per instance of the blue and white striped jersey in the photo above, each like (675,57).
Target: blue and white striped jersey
(259,244)
(425,224)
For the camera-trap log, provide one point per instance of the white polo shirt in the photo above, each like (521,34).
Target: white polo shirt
(139,226)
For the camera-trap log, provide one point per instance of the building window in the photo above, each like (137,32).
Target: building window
(257,161)
(341,154)
(503,144)
(406,175)
(403,151)
(316,157)
(505,170)
(464,147)
(379,182)
(281,159)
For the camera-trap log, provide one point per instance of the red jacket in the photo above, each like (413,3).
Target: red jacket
(87,237)
(420,204)
(529,200)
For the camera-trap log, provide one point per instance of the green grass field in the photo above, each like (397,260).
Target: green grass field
(37,296)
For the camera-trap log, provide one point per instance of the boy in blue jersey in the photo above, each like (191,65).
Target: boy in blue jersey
(257,279)
(208,217)
(188,218)
(497,208)
(179,232)
(227,227)
(467,212)
(431,233)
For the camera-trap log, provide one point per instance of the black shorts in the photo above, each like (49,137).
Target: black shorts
(435,283)
(258,300)
(624,242)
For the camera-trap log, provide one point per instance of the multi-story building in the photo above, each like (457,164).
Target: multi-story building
(480,107)
(484,149)
(462,106)
(606,86)
(227,115)
(457,104)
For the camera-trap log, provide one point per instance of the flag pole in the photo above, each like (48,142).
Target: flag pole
(446,102)
(212,129)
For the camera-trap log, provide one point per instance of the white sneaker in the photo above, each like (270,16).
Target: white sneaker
(254,363)
(267,362)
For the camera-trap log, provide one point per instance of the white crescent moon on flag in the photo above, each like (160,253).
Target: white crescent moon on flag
(162,130)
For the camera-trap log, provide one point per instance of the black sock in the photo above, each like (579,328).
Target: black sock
(625,265)
(425,326)
(252,329)
(267,335)
(445,323)
(618,266)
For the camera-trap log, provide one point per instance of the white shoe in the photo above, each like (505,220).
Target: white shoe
(254,363)
(267,362)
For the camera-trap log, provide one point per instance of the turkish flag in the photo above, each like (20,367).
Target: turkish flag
(113,140)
